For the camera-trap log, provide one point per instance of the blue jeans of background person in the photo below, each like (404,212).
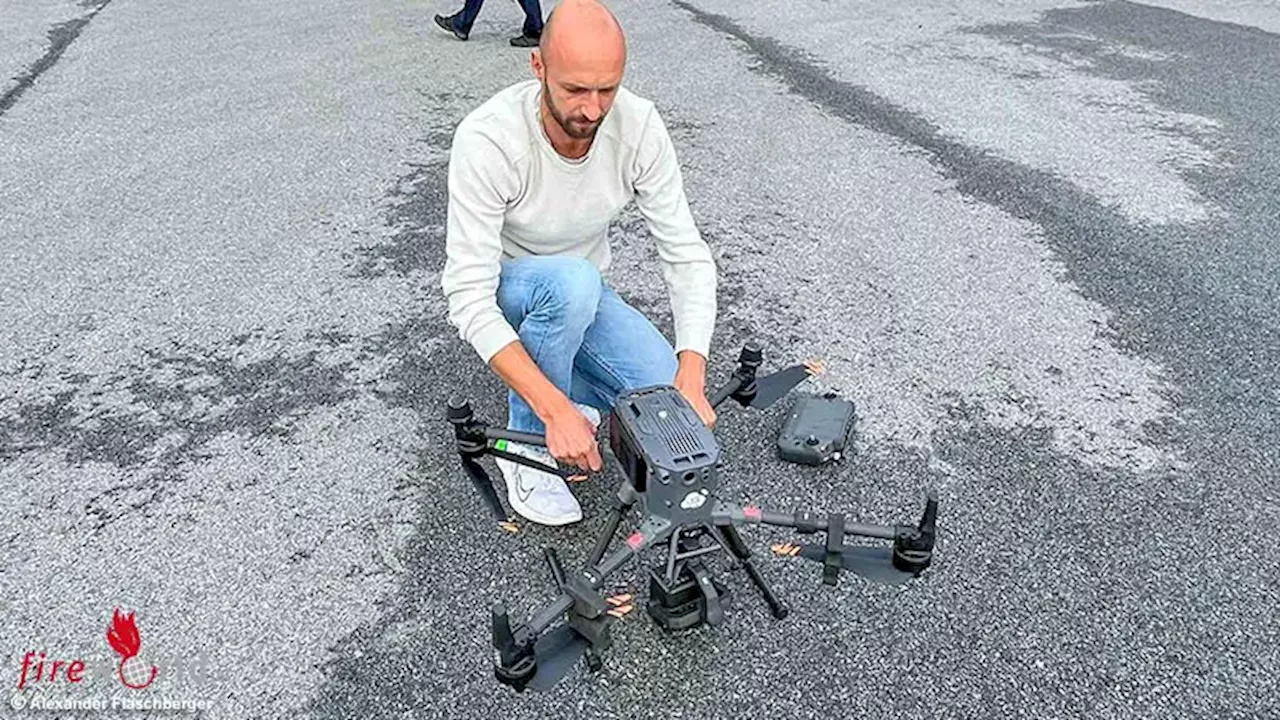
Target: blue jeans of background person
(532,16)
(585,338)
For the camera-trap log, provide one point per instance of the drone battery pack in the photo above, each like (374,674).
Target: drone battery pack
(817,429)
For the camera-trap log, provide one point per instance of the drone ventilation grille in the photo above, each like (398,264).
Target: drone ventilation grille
(683,443)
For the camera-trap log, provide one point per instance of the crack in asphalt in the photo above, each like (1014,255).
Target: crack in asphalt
(60,37)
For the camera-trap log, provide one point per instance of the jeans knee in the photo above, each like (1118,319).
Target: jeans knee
(571,289)
(662,367)
(654,363)
(668,364)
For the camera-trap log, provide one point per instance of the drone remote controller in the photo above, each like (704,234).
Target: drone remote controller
(817,429)
(672,465)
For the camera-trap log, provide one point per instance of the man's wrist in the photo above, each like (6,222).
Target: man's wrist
(691,369)
(513,364)
(550,403)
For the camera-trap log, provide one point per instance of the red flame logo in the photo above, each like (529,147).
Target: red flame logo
(124,639)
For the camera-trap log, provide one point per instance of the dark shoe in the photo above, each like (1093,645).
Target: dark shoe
(446,23)
(524,41)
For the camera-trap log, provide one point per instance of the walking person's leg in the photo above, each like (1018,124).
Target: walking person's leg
(531,31)
(460,22)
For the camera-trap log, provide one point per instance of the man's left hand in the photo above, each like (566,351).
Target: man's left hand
(691,381)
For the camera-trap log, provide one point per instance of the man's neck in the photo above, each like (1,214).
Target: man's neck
(568,147)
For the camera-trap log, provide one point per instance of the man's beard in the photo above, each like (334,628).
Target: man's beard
(578,129)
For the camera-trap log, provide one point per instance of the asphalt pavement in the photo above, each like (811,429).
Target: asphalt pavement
(1035,243)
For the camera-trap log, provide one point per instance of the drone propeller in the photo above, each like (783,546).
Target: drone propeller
(557,652)
(751,391)
(480,479)
(872,563)
(772,388)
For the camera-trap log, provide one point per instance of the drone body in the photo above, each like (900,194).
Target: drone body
(672,463)
(670,457)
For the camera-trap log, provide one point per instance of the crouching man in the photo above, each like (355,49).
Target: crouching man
(536,175)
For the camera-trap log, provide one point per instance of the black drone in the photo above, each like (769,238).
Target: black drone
(672,464)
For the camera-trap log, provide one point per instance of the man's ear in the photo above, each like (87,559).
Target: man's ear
(535,61)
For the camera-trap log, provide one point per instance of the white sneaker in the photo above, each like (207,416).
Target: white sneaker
(592,414)
(538,495)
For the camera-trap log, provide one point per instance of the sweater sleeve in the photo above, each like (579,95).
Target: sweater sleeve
(688,267)
(481,179)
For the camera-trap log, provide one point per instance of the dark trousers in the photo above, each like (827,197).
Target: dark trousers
(532,16)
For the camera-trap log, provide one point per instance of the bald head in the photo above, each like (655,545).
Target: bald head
(582,32)
(580,61)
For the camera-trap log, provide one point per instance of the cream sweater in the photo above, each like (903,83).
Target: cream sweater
(511,195)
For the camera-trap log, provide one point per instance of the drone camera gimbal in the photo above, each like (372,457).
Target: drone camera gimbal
(672,465)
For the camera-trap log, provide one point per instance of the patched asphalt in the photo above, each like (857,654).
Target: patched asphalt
(1034,243)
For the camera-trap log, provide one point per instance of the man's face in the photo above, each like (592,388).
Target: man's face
(578,109)
(579,92)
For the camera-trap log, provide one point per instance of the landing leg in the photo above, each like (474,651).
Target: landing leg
(740,550)
(626,498)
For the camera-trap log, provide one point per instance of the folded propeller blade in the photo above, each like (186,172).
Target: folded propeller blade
(871,562)
(557,652)
(771,388)
(480,479)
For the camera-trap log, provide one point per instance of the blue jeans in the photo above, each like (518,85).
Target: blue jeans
(585,338)
(471,9)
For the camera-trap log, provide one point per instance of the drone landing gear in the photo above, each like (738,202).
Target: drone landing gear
(683,595)
(686,596)
(742,553)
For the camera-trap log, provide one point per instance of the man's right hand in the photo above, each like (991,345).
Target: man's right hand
(571,438)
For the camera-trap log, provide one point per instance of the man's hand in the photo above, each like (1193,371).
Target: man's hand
(571,438)
(691,381)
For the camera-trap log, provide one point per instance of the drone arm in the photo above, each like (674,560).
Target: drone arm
(517,661)
(566,473)
(807,522)
(740,385)
(527,439)
(594,579)
(760,392)
(518,657)
(726,391)
(912,550)
(515,436)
